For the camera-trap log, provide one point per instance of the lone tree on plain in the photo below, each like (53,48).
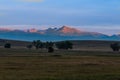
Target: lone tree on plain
(115,46)
(7,45)
(64,45)
(50,49)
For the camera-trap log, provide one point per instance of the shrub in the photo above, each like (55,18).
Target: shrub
(50,49)
(64,45)
(48,44)
(115,47)
(7,45)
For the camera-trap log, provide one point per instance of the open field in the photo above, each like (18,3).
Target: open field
(24,64)
(93,45)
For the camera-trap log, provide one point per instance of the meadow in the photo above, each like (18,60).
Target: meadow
(25,64)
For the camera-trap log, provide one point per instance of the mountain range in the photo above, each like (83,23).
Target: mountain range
(54,34)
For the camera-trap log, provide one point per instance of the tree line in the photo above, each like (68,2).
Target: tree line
(59,45)
(47,45)
(50,45)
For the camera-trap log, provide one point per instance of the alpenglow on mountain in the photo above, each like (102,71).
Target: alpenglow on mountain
(54,34)
(63,31)
(57,31)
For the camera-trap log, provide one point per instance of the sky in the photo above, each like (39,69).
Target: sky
(94,15)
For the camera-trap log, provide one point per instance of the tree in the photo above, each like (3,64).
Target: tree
(29,46)
(50,49)
(48,44)
(7,45)
(115,46)
(64,45)
(69,45)
(38,44)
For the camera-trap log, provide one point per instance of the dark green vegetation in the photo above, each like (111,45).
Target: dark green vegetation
(7,45)
(92,60)
(77,45)
(40,45)
(115,46)
(64,45)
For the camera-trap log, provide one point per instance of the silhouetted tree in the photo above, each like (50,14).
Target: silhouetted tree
(7,45)
(50,49)
(115,47)
(38,44)
(69,45)
(48,44)
(64,45)
(29,46)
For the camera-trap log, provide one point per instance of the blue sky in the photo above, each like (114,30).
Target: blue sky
(86,14)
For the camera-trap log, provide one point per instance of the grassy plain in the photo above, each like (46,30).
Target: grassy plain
(24,64)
